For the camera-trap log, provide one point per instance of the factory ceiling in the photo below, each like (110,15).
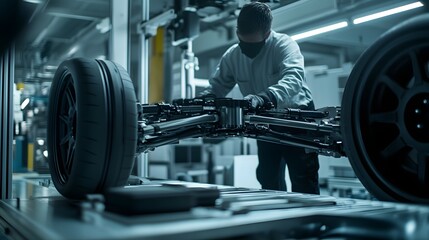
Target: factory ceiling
(58,24)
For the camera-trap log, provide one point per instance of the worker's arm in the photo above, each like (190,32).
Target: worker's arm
(222,80)
(291,71)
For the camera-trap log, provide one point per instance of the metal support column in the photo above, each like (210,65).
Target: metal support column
(119,33)
(143,88)
(189,66)
(119,49)
(147,28)
(7,69)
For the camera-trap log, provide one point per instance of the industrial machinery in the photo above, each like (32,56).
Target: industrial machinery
(97,126)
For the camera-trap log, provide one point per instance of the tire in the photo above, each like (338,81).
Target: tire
(385,114)
(92,136)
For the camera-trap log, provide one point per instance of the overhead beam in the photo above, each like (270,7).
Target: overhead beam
(77,14)
(73,16)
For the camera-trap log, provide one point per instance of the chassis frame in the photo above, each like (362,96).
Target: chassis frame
(210,117)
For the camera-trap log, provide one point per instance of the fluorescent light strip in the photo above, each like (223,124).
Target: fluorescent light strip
(25,103)
(320,30)
(33,1)
(73,50)
(387,12)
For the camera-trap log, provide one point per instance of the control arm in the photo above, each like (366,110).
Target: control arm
(161,124)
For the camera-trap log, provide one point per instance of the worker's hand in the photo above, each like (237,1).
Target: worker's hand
(255,100)
(206,94)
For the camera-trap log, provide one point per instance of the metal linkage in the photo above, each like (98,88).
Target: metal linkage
(163,124)
(254,119)
(178,124)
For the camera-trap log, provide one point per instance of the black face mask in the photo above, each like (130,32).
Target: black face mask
(251,50)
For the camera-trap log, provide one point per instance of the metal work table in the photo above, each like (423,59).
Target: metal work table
(346,186)
(39,212)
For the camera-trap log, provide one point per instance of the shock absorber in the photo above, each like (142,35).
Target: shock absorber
(231,112)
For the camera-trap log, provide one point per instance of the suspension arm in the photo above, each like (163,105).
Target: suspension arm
(152,143)
(334,148)
(254,119)
(178,124)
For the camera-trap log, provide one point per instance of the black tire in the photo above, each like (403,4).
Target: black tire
(92,134)
(385,114)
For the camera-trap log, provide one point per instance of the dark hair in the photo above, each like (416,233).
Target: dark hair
(254,17)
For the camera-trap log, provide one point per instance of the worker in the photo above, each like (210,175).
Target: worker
(269,69)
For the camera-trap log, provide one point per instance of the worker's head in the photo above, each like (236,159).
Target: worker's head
(253,27)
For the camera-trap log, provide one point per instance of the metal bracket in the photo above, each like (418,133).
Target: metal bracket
(149,27)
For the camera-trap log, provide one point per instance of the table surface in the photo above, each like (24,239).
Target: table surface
(40,212)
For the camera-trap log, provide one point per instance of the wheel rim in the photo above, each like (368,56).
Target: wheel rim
(395,120)
(65,128)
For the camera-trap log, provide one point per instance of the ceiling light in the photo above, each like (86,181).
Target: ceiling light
(320,30)
(50,68)
(34,1)
(387,12)
(25,103)
(73,50)
(41,142)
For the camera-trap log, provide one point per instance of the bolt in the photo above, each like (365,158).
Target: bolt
(417,111)
(425,101)
(419,126)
